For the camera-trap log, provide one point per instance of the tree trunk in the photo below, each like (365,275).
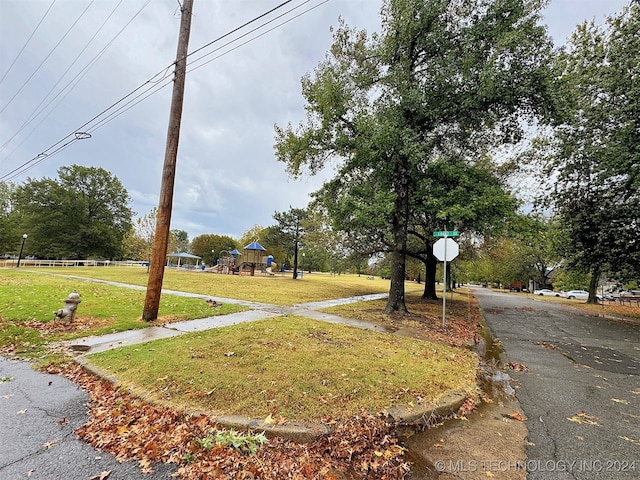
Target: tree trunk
(430,279)
(396,291)
(396,301)
(593,285)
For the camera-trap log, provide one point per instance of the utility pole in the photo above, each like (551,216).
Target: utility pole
(165,205)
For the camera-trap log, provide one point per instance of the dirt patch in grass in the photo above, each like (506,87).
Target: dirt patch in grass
(425,318)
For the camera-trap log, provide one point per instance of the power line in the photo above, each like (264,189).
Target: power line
(37,112)
(132,100)
(71,85)
(47,57)
(27,42)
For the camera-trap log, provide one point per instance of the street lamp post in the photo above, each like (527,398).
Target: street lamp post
(24,237)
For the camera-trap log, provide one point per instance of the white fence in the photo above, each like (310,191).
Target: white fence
(25,262)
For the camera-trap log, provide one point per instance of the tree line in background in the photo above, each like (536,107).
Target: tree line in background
(412,118)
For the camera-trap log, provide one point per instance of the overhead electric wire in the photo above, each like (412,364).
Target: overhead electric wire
(27,42)
(59,146)
(257,36)
(135,101)
(47,57)
(37,112)
(70,86)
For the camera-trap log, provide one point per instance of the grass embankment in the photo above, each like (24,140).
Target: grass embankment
(288,367)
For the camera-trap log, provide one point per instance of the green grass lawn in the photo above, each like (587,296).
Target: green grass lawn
(290,367)
(29,299)
(277,290)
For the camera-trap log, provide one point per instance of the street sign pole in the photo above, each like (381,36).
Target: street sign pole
(445,234)
(444,280)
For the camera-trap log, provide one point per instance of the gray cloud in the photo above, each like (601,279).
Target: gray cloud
(227,177)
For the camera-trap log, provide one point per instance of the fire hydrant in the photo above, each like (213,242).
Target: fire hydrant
(68,313)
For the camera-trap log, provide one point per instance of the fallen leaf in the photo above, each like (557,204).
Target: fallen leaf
(229,354)
(50,444)
(516,416)
(62,421)
(269,420)
(102,476)
(518,367)
(488,473)
(584,419)
(617,400)
(635,442)
(21,412)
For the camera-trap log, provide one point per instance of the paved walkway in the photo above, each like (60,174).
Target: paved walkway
(257,311)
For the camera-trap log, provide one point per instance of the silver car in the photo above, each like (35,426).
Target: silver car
(576,294)
(546,292)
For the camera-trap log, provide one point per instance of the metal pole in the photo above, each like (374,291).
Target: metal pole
(24,238)
(444,280)
(165,205)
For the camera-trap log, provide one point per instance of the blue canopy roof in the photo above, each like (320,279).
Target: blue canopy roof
(235,252)
(255,246)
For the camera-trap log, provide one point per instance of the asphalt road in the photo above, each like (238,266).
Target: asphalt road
(38,415)
(580,391)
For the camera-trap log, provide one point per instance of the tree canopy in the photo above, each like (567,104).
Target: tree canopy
(441,77)
(83,214)
(291,226)
(595,155)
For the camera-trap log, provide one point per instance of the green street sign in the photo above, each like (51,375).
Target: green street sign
(453,233)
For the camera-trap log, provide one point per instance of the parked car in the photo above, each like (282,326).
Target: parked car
(546,292)
(576,294)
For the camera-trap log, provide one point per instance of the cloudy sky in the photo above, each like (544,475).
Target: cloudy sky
(63,63)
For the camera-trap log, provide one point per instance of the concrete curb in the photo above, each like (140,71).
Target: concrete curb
(424,416)
(307,432)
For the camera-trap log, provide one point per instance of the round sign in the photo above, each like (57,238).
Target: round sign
(448,244)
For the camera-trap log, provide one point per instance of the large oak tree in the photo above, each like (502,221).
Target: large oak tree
(441,75)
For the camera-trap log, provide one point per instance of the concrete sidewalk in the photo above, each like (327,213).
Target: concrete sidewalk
(94,344)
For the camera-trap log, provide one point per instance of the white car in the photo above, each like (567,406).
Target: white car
(546,292)
(576,294)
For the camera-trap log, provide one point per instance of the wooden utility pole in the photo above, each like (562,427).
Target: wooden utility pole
(165,205)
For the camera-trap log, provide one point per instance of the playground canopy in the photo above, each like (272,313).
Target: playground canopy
(255,246)
(181,256)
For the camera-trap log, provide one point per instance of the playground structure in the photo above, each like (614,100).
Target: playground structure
(252,258)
